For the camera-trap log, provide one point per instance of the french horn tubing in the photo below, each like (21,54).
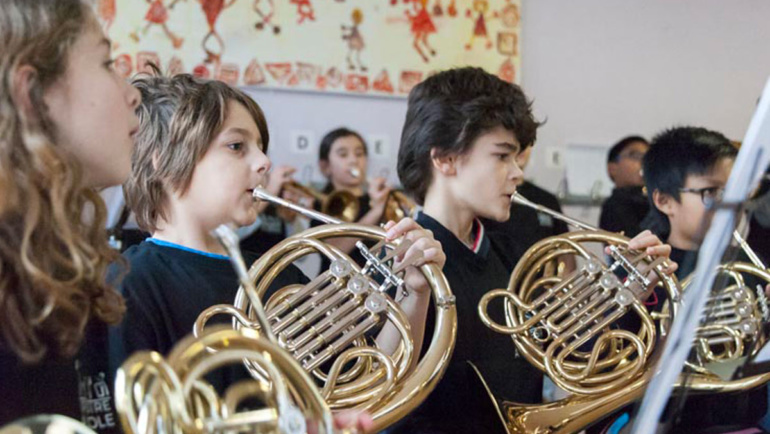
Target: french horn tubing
(340,204)
(735,315)
(326,325)
(157,395)
(589,331)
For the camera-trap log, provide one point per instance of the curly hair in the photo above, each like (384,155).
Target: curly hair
(53,247)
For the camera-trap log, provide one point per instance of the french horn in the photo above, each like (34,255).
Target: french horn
(157,395)
(589,331)
(734,316)
(326,325)
(154,394)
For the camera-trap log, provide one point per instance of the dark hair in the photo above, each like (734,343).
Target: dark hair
(332,136)
(674,155)
(449,111)
(617,148)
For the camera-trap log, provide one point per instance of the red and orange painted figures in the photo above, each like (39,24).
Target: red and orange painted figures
(304,9)
(352,34)
(421,26)
(266,11)
(212,9)
(479,14)
(158,14)
(106,10)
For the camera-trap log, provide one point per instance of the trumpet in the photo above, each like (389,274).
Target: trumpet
(325,325)
(397,205)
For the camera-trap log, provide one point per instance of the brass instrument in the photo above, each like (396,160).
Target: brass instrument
(734,315)
(397,205)
(732,320)
(157,395)
(46,423)
(341,204)
(325,324)
(570,326)
(153,394)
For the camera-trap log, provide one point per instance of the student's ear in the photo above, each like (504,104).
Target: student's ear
(324,166)
(23,80)
(612,169)
(663,202)
(444,164)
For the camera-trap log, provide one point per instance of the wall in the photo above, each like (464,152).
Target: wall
(597,70)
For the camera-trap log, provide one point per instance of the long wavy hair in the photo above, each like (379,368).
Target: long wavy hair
(53,247)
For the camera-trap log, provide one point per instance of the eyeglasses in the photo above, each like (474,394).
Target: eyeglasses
(708,195)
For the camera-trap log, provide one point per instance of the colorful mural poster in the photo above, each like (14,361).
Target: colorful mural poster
(369,47)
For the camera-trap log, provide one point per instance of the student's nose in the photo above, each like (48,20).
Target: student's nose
(261,163)
(516,174)
(133,97)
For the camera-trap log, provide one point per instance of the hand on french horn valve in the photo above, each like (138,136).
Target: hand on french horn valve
(424,249)
(650,244)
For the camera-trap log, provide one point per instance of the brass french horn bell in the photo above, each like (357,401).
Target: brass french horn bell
(327,324)
(169,395)
(589,331)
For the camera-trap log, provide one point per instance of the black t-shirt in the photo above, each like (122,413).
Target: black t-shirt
(167,287)
(624,210)
(455,405)
(79,387)
(527,226)
(271,231)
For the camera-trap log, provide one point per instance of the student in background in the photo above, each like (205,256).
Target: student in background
(625,209)
(343,160)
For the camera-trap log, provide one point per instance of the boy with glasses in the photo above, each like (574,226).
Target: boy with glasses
(624,210)
(685,172)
